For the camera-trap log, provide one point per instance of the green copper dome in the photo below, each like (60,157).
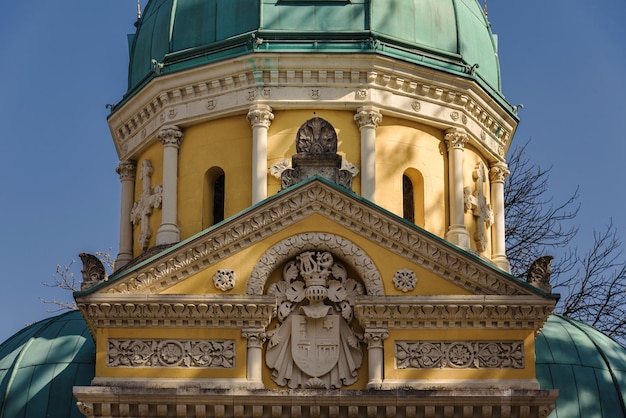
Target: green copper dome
(587,367)
(40,364)
(448,35)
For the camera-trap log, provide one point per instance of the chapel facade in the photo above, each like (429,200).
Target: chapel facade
(312,219)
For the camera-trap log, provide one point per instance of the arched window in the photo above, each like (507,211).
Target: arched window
(408,199)
(413,196)
(214,197)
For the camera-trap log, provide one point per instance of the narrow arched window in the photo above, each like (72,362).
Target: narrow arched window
(218,199)
(214,197)
(408,199)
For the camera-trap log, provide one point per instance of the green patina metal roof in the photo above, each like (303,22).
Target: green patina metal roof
(587,367)
(40,364)
(449,35)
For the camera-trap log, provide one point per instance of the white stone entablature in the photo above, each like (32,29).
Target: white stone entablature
(313,81)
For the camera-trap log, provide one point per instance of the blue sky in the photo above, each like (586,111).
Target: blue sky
(63,61)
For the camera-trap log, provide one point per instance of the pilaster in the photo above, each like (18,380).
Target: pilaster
(375,350)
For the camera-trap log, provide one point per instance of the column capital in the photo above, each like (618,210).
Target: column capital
(170,135)
(127,170)
(260,115)
(455,138)
(375,337)
(368,117)
(498,172)
(255,337)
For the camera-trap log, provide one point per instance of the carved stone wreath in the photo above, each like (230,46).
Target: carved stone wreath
(314,346)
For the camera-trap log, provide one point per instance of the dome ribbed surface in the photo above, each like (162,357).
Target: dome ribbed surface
(449,35)
(40,364)
(587,367)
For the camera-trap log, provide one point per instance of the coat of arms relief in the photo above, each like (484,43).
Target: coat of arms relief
(314,345)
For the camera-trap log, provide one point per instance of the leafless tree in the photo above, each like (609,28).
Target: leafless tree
(593,281)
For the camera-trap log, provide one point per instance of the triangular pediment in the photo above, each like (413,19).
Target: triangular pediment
(284,214)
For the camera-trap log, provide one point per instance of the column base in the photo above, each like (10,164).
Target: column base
(168,234)
(501,261)
(121,260)
(458,235)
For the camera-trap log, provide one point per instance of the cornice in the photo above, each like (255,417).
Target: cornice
(442,312)
(287,208)
(290,81)
(174,311)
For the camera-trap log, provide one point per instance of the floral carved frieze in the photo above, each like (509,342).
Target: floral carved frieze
(459,354)
(217,354)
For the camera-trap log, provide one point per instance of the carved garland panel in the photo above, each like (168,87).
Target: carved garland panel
(216,354)
(459,354)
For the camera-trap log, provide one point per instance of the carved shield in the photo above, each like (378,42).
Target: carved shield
(315,343)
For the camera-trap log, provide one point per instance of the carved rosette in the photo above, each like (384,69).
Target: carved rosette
(368,118)
(455,139)
(498,173)
(405,280)
(314,346)
(170,136)
(127,170)
(224,279)
(460,354)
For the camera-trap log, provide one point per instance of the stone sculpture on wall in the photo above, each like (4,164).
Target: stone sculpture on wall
(314,346)
(316,146)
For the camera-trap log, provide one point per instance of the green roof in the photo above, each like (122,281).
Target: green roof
(587,367)
(40,364)
(449,35)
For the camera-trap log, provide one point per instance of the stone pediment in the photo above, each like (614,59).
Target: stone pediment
(282,211)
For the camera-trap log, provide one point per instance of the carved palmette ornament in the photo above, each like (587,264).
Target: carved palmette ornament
(316,136)
(313,346)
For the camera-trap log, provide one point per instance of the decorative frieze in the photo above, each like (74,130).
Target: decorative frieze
(215,354)
(397,87)
(459,354)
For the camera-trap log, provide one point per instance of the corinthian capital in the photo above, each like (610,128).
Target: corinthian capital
(498,173)
(368,117)
(455,138)
(375,337)
(260,115)
(127,170)
(170,135)
(255,337)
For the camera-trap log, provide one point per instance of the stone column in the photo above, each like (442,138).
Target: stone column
(254,368)
(367,118)
(455,142)
(171,137)
(376,356)
(260,117)
(497,175)
(127,171)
